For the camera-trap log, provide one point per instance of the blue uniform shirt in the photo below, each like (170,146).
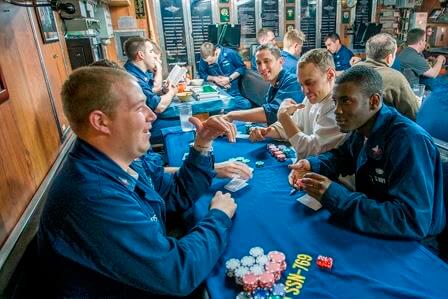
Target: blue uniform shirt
(286,87)
(289,63)
(433,115)
(102,232)
(229,61)
(145,80)
(399,184)
(253,63)
(342,58)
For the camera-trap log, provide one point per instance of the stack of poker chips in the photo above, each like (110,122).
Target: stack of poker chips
(258,273)
(287,151)
(240,159)
(280,152)
(324,262)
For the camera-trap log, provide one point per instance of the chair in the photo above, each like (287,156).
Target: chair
(443,237)
(253,87)
(176,144)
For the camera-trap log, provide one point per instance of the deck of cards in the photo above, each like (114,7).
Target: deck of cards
(236,184)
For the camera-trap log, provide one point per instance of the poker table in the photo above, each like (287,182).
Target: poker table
(267,216)
(216,104)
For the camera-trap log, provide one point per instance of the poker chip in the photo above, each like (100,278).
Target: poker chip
(278,290)
(281,157)
(247,261)
(259,164)
(231,266)
(256,251)
(262,260)
(275,269)
(266,280)
(257,269)
(250,282)
(245,161)
(261,294)
(239,274)
(243,295)
(276,256)
(324,262)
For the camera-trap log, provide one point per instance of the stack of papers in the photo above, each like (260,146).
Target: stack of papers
(204,92)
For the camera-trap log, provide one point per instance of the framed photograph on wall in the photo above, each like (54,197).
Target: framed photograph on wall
(47,24)
(121,36)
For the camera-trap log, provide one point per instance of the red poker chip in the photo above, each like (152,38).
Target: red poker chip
(266,280)
(277,257)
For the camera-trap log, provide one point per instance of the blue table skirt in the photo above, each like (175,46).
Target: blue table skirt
(364,266)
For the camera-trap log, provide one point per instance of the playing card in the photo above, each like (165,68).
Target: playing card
(235,184)
(310,202)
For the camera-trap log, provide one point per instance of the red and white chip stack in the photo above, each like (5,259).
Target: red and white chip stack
(257,272)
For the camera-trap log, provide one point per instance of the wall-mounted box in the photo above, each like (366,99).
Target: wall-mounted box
(102,14)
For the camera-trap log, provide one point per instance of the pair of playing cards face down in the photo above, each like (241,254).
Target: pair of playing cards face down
(236,184)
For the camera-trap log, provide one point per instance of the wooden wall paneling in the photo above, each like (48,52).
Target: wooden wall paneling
(16,183)
(30,138)
(56,70)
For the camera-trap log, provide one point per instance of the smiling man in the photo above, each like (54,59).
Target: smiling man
(310,127)
(399,190)
(283,85)
(103,229)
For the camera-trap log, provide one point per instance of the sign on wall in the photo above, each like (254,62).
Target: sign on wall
(174,32)
(328,19)
(269,15)
(246,18)
(201,17)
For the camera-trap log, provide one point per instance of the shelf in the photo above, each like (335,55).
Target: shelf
(119,2)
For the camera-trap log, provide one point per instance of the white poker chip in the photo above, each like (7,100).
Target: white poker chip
(231,266)
(239,274)
(256,251)
(256,269)
(262,260)
(248,261)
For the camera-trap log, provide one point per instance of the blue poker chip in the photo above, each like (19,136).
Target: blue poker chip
(261,294)
(278,289)
(243,295)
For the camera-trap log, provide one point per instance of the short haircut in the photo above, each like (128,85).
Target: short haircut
(207,50)
(293,36)
(263,32)
(133,45)
(88,89)
(380,45)
(368,79)
(271,48)
(333,36)
(319,57)
(415,35)
(106,63)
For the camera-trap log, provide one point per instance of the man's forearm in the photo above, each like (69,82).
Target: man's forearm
(165,101)
(288,125)
(252,115)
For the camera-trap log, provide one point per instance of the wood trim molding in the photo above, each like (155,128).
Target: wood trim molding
(4,94)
